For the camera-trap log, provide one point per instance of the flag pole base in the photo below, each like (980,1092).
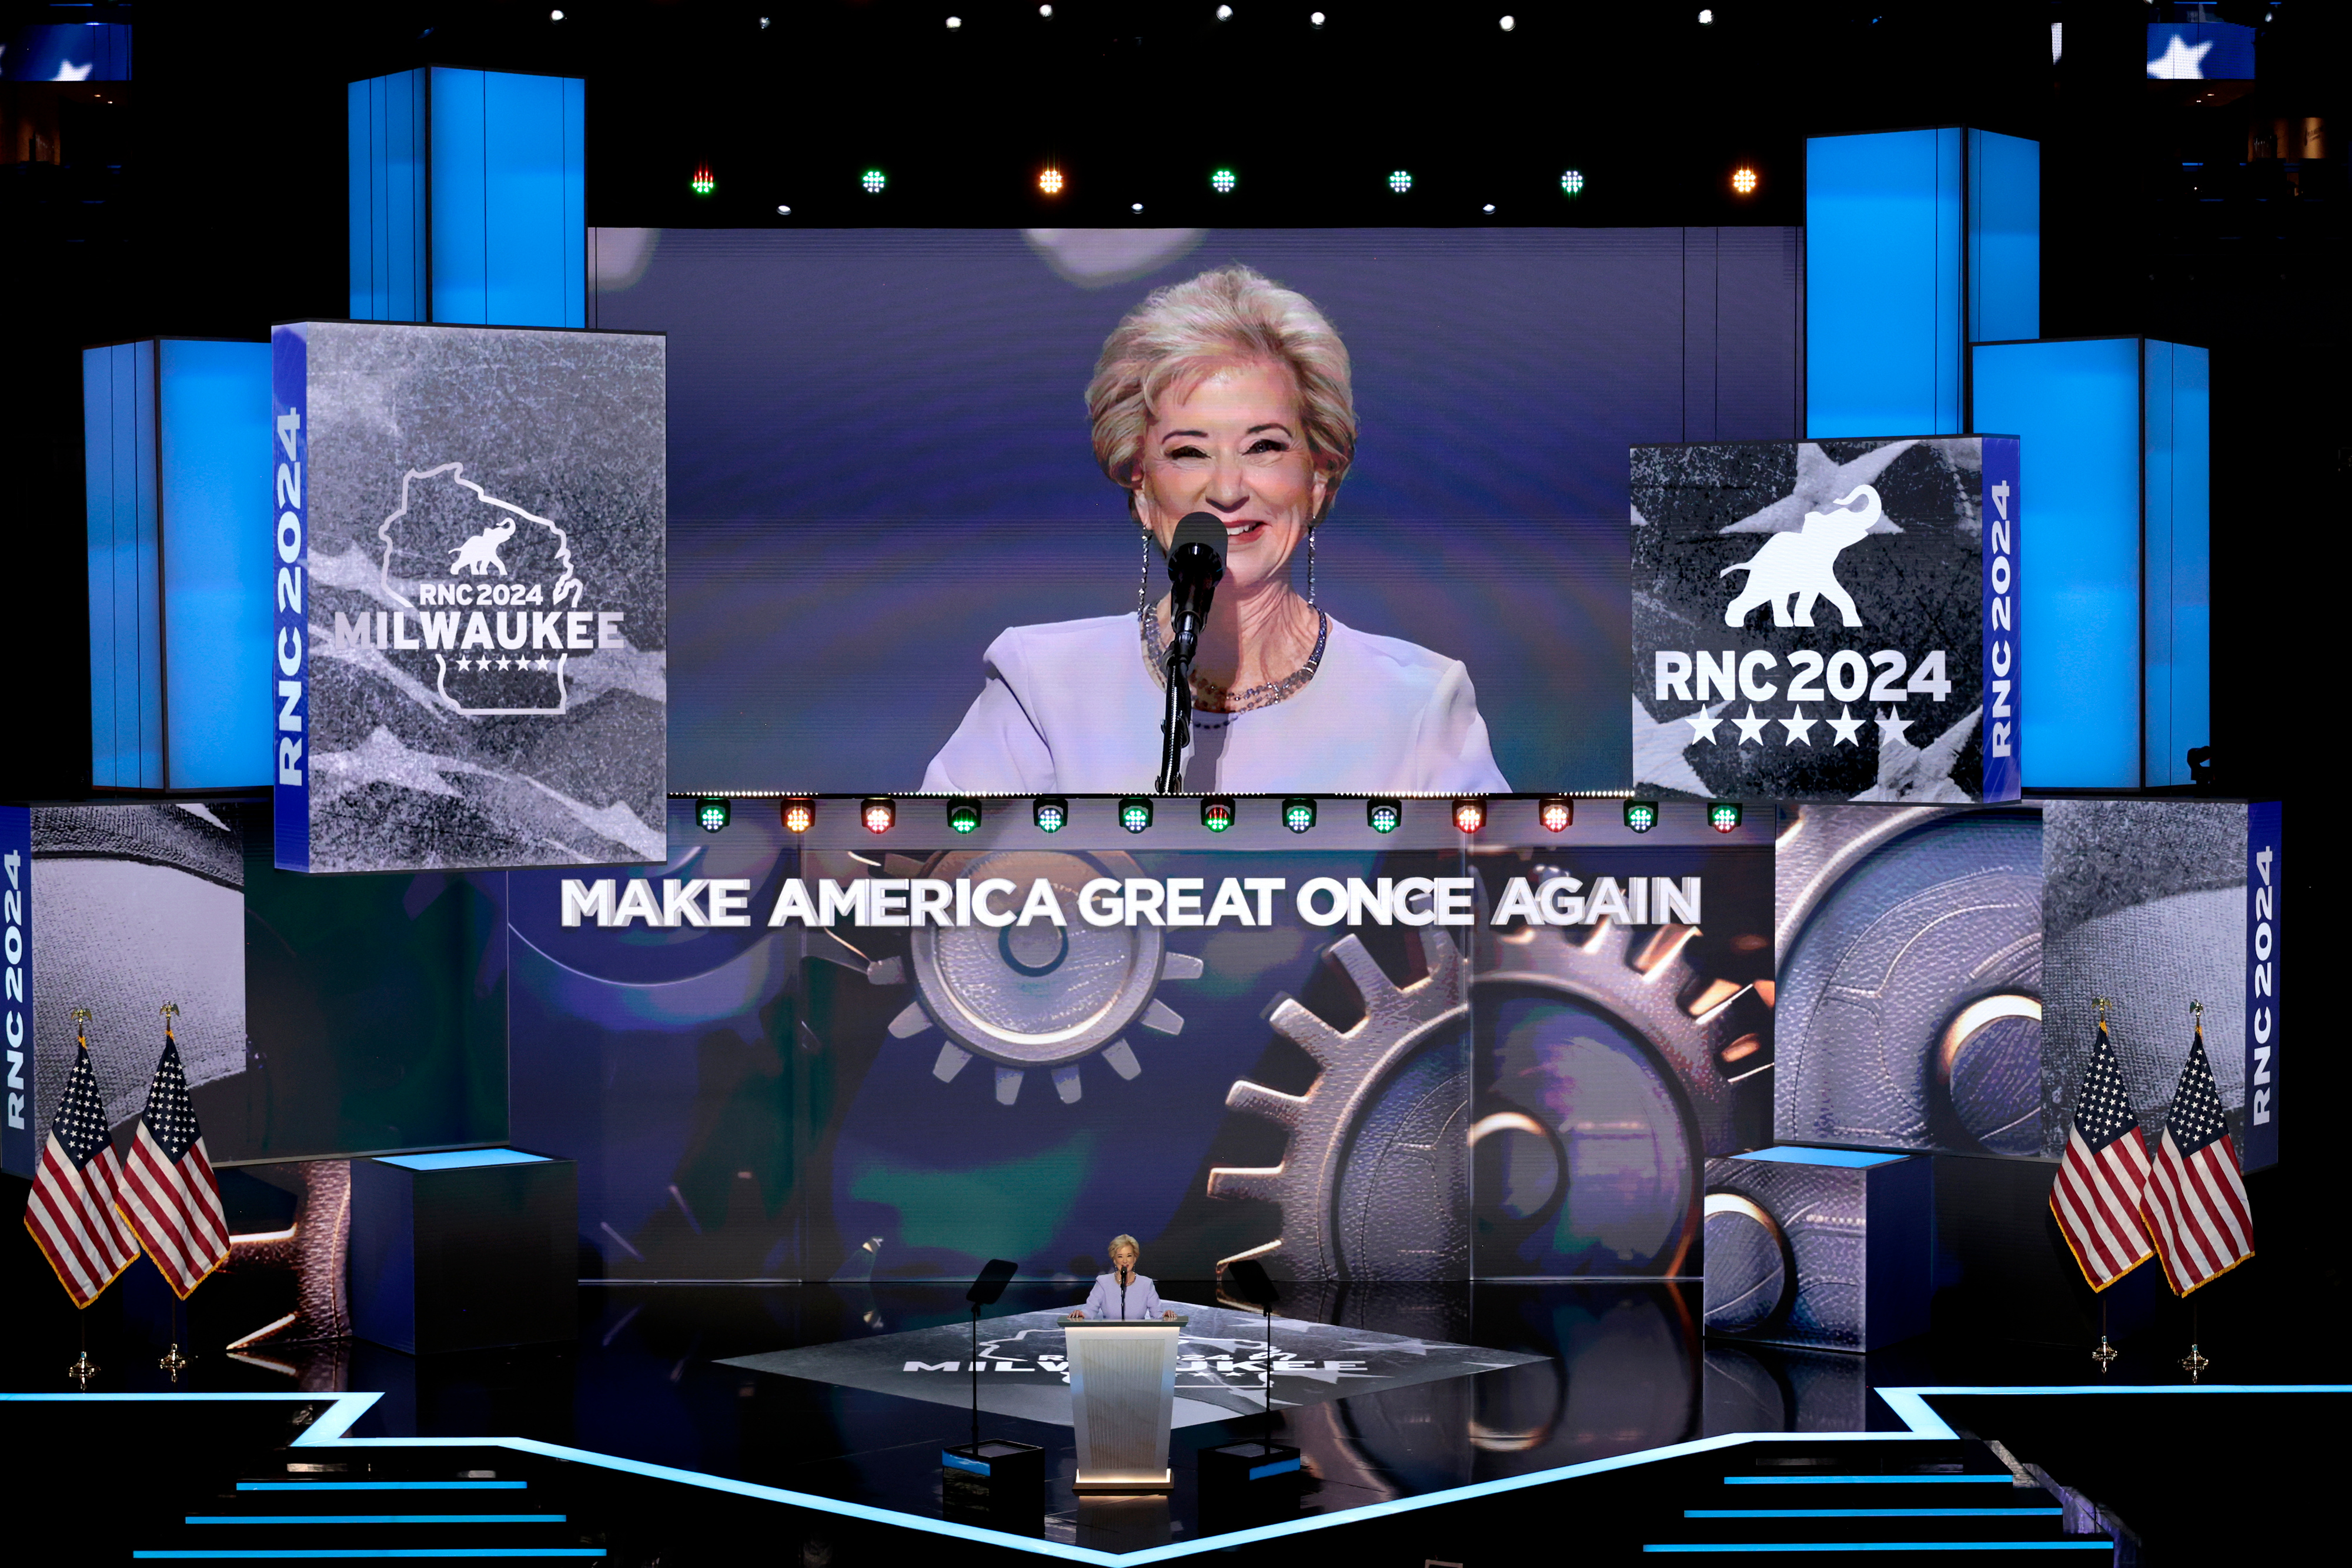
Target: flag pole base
(173,1360)
(2106,1355)
(82,1370)
(2195,1362)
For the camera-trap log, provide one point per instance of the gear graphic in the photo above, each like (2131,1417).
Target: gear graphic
(1356,1065)
(1028,998)
(1357,1134)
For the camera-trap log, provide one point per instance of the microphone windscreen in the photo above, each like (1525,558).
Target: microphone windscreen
(1200,529)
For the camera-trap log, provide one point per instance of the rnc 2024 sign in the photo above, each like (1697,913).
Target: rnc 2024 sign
(470,647)
(1827,621)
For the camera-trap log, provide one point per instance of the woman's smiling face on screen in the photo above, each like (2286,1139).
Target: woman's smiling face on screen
(1232,445)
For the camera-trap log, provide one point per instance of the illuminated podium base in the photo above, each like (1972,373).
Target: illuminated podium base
(1123,1402)
(994,1482)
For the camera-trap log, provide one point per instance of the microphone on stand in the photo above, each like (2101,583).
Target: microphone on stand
(1196,564)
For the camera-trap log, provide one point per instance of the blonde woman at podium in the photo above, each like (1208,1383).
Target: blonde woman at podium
(1123,1294)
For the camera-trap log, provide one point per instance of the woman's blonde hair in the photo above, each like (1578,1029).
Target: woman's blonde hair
(1188,330)
(1119,1241)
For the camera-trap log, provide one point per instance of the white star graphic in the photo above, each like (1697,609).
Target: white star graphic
(2181,61)
(464,664)
(1893,728)
(1799,728)
(505,663)
(544,663)
(1702,724)
(1751,728)
(1846,726)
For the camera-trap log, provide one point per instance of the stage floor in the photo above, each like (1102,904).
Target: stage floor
(1538,1378)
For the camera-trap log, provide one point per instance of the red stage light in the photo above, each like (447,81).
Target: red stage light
(1469,816)
(879,814)
(1557,813)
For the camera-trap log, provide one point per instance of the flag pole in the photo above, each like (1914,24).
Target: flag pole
(2106,1355)
(2196,1361)
(172,1360)
(83,1369)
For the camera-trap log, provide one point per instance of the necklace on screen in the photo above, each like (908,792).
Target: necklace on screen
(1209,696)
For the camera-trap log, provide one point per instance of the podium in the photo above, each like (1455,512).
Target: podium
(1123,1401)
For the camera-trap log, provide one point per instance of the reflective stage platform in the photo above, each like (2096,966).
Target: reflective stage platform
(1605,1425)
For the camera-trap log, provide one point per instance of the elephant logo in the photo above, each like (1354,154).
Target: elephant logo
(481,551)
(1795,569)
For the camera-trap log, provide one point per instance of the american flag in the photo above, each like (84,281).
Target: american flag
(70,1211)
(2196,1205)
(2096,1196)
(169,1193)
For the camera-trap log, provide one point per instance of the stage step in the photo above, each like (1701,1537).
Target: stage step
(1887,1503)
(441,1506)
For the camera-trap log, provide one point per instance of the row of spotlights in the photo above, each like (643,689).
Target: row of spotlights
(1745,181)
(1051,814)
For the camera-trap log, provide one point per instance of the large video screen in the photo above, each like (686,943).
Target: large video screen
(906,553)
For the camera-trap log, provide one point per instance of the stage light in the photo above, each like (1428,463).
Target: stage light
(1723,816)
(713,812)
(1050,182)
(1469,815)
(1707,18)
(1557,813)
(880,814)
(1401,181)
(799,816)
(555,16)
(1298,814)
(702,182)
(1217,813)
(1224,13)
(1135,813)
(1743,181)
(1571,183)
(784,212)
(964,816)
(764,24)
(1315,19)
(1045,10)
(1507,23)
(1490,206)
(953,23)
(1382,816)
(872,180)
(1136,208)
(1051,814)
(1222,182)
(1641,815)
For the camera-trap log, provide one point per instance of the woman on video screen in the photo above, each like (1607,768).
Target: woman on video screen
(1229,395)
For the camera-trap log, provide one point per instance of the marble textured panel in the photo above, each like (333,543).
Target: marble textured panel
(1809,621)
(485,609)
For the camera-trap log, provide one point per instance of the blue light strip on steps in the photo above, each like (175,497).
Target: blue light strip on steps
(381,1485)
(1999,1477)
(1872,1513)
(2108,1546)
(319,1553)
(384,1518)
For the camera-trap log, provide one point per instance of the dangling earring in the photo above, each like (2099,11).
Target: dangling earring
(1143,577)
(1310,568)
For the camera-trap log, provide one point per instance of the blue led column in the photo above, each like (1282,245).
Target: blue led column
(2116,563)
(467,199)
(177,507)
(126,615)
(1918,243)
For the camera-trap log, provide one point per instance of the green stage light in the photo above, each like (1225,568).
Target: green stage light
(1641,815)
(713,812)
(1382,816)
(873,180)
(1723,816)
(964,816)
(703,184)
(1135,813)
(1557,813)
(1401,181)
(1571,183)
(1222,182)
(1051,814)
(1217,813)
(1298,814)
